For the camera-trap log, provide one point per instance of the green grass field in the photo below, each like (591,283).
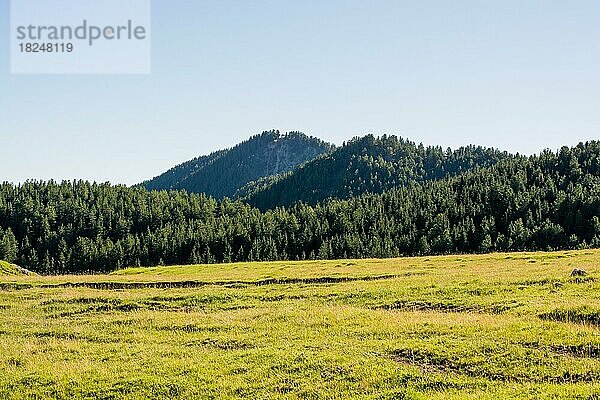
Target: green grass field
(493,326)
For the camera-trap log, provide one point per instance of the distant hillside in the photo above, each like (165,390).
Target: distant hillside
(368,165)
(223,173)
(177,174)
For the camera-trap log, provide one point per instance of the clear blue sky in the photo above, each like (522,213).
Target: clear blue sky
(519,75)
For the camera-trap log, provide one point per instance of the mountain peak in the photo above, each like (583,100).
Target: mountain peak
(222,173)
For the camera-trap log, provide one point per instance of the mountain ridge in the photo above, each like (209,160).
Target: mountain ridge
(370,164)
(273,169)
(223,172)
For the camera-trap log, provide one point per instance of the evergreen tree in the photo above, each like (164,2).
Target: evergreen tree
(8,246)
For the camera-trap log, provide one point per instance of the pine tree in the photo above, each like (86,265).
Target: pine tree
(8,246)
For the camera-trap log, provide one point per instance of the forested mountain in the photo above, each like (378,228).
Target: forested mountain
(367,165)
(222,173)
(550,201)
(170,179)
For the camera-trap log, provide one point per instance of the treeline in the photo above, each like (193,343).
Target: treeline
(550,201)
(368,165)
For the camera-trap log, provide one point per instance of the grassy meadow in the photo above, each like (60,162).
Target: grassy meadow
(495,326)
(7,269)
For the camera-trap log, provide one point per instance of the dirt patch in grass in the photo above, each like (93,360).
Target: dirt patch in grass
(539,282)
(582,279)
(555,282)
(124,322)
(193,284)
(579,350)
(429,362)
(191,328)
(80,300)
(230,344)
(6,286)
(579,315)
(449,306)
(136,388)
(86,305)
(70,336)
(582,350)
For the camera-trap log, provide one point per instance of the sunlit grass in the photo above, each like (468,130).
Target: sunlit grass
(8,269)
(473,326)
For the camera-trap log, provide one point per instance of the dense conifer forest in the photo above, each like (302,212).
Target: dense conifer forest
(368,165)
(223,172)
(432,202)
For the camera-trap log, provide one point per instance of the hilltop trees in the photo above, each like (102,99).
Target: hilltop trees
(368,165)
